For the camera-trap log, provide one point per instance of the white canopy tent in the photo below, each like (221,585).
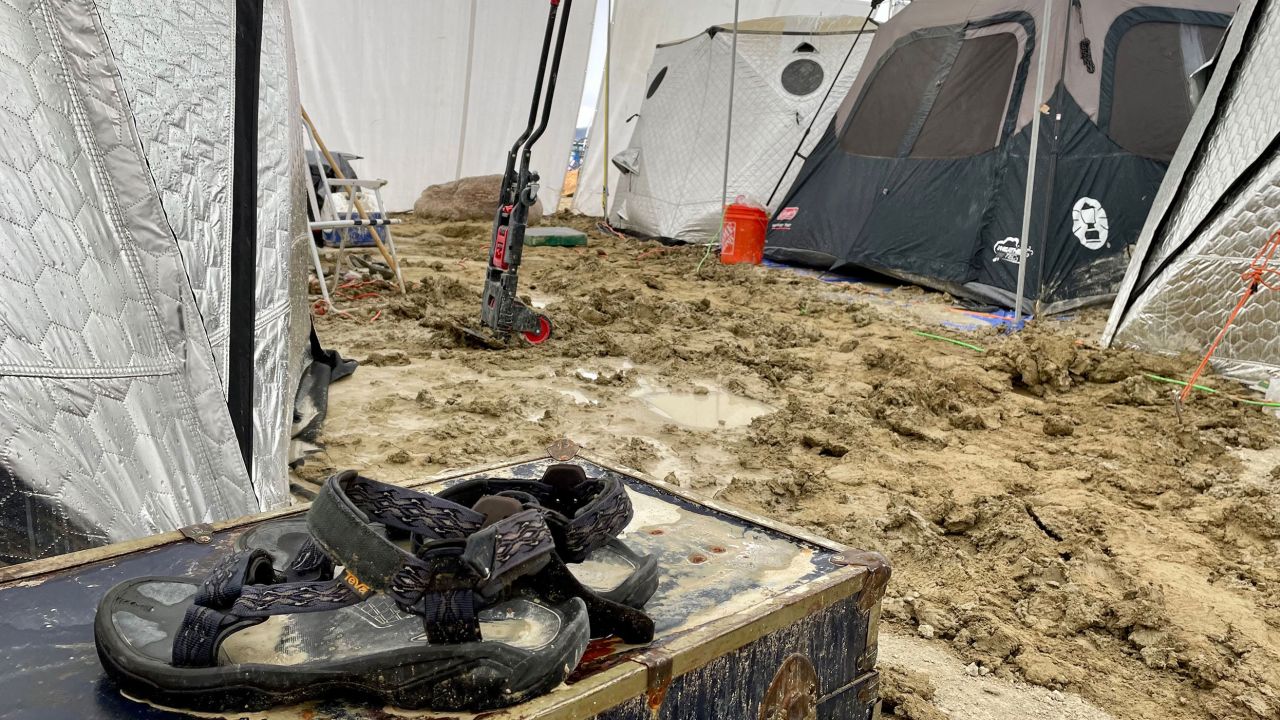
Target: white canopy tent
(429,91)
(639,25)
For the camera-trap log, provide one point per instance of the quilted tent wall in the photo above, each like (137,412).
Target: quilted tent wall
(428,91)
(1218,205)
(183,112)
(112,420)
(639,26)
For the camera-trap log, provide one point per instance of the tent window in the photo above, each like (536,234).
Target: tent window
(966,117)
(657,82)
(891,98)
(1153,95)
(802,77)
(805,47)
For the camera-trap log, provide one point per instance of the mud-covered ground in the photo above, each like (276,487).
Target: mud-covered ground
(1052,520)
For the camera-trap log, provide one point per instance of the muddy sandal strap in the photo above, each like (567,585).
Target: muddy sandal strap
(215,612)
(442,581)
(224,582)
(583,513)
(603,510)
(310,564)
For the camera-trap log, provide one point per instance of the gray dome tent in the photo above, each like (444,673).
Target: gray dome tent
(923,172)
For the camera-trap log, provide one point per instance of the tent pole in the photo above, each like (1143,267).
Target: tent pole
(728,133)
(466,92)
(604,160)
(1027,198)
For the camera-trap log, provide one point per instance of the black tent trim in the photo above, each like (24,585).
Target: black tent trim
(244,226)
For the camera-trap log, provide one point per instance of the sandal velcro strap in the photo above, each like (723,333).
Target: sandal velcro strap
(240,591)
(443,578)
(584,513)
(222,586)
(311,563)
(604,512)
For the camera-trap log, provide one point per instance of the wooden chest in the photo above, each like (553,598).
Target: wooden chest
(755,620)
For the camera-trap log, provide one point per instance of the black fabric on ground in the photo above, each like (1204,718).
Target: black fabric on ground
(311,405)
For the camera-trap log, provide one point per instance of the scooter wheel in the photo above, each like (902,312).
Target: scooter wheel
(541,334)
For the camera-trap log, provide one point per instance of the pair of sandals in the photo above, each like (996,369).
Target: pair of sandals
(479,597)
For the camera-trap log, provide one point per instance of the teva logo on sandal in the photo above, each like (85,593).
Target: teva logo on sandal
(1089,223)
(353,582)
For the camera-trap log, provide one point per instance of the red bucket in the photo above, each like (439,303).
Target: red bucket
(742,239)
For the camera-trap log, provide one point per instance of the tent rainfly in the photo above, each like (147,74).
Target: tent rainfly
(672,172)
(153,319)
(1218,206)
(923,174)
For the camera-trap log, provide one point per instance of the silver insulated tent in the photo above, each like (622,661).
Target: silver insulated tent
(1219,204)
(153,303)
(672,171)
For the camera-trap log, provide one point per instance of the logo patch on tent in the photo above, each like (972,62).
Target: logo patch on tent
(788,213)
(1089,223)
(1007,250)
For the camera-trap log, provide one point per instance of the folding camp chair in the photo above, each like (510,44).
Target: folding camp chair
(326,218)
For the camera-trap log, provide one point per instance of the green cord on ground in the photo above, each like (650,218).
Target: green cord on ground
(1171,381)
(953,341)
(707,254)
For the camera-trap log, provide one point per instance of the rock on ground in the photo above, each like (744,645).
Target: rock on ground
(470,198)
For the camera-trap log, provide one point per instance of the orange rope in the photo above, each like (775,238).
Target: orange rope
(1255,279)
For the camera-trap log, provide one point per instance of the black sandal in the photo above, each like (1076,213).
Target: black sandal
(584,515)
(482,638)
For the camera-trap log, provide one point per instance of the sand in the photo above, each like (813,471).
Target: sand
(1057,528)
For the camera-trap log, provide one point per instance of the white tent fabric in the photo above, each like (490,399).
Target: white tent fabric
(429,91)
(1218,206)
(640,25)
(674,182)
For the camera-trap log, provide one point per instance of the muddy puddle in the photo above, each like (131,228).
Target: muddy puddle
(704,409)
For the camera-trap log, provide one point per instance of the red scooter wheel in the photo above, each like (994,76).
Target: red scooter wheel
(543,332)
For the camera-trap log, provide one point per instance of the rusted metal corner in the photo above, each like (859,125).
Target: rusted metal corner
(658,664)
(878,572)
(201,533)
(562,450)
(870,691)
(867,661)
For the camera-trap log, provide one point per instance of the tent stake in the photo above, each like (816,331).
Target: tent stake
(1024,241)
